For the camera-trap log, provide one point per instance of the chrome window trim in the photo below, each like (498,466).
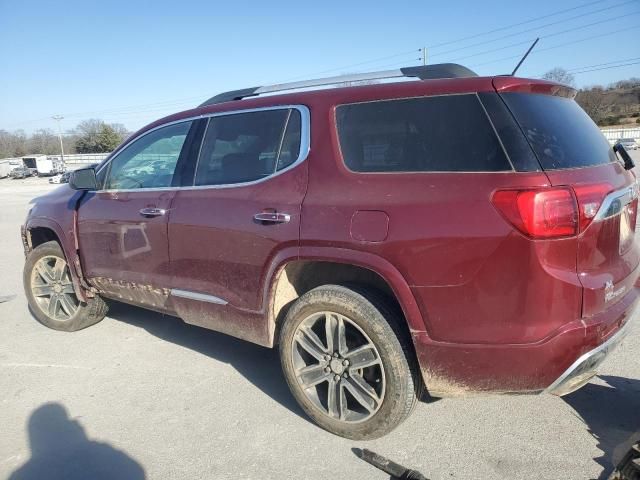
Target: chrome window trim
(305,147)
(202,297)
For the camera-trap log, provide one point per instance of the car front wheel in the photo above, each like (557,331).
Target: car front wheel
(347,362)
(50,293)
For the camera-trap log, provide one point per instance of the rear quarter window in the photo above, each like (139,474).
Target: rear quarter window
(560,133)
(429,134)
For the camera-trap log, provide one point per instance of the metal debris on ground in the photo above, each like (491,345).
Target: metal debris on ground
(396,471)
(629,467)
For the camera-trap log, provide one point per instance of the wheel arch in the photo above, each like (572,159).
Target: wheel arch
(296,275)
(40,230)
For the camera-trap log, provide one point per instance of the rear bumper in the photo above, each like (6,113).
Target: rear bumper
(585,367)
(558,364)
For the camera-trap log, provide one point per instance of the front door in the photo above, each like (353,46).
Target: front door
(243,209)
(122,228)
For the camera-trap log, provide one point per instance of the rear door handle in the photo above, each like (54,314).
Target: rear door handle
(272,217)
(152,212)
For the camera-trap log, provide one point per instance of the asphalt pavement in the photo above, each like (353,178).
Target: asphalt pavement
(142,395)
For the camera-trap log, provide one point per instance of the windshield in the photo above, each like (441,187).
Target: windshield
(561,134)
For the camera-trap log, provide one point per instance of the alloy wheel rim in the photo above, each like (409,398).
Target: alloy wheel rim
(338,367)
(52,288)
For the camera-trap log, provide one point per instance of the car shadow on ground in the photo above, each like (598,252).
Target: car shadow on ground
(259,365)
(61,450)
(612,415)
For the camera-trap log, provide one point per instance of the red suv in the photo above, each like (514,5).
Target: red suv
(465,233)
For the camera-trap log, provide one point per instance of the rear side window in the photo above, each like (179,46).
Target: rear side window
(561,134)
(430,134)
(245,147)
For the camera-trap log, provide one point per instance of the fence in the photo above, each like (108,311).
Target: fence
(613,134)
(85,158)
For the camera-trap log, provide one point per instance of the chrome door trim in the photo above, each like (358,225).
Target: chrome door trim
(305,146)
(202,297)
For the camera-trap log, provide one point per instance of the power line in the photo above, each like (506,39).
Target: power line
(555,34)
(351,65)
(603,64)
(606,68)
(558,46)
(537,28)
(559,12)
(515,24)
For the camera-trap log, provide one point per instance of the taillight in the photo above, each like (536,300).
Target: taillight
(590,197)
(540,213)
(633,214)
(551,212)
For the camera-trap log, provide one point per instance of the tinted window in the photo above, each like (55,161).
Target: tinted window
(291,142)
(249,146)
(432,134)
(150,161)
(561,134)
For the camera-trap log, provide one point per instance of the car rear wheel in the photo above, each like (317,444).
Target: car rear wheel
(347,362)
(50,293)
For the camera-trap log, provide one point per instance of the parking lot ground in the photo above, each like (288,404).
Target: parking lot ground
(145,395)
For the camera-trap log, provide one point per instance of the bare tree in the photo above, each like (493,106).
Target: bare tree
(560,75)
(593,101)
(43,141)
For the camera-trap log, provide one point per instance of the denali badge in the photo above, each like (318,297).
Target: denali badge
(610,293)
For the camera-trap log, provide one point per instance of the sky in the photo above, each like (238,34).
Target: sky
(132,62)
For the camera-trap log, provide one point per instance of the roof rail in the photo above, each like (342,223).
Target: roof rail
(424,72)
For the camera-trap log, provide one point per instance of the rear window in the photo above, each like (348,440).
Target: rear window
(561,134)
(430,134)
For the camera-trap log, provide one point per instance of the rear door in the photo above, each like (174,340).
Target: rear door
(123,227)
(243,210)
(572,151)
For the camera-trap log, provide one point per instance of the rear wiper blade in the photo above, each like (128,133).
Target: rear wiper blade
(626,158)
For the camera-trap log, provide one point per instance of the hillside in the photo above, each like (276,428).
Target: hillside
(618,104)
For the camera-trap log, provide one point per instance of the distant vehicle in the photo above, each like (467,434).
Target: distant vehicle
(43,165)
(5,169)
(20,172)
(628,143)
(62,178)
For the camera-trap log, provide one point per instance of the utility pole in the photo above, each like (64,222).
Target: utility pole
(57,118)
(424,55)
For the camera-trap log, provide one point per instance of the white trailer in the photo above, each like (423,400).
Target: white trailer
(5,168)
(43,165)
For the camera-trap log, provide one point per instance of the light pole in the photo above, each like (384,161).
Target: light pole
(57,118)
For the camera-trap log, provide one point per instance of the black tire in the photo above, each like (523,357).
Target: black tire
(367,312)
(85,315)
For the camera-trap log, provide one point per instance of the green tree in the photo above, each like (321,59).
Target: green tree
(108,139)
(95,136)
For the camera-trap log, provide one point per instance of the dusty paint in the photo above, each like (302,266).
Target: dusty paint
(132,292)
(26,240)
(439,385)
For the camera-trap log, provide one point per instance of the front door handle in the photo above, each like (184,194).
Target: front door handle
(152,212)
(272,217)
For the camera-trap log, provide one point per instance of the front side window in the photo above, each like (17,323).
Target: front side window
(150,161)
(449,133)
(244,147)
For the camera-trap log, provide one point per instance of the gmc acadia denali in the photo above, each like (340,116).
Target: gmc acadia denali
(450,232)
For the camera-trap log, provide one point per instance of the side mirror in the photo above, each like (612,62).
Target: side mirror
(626,158)
(84,179)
